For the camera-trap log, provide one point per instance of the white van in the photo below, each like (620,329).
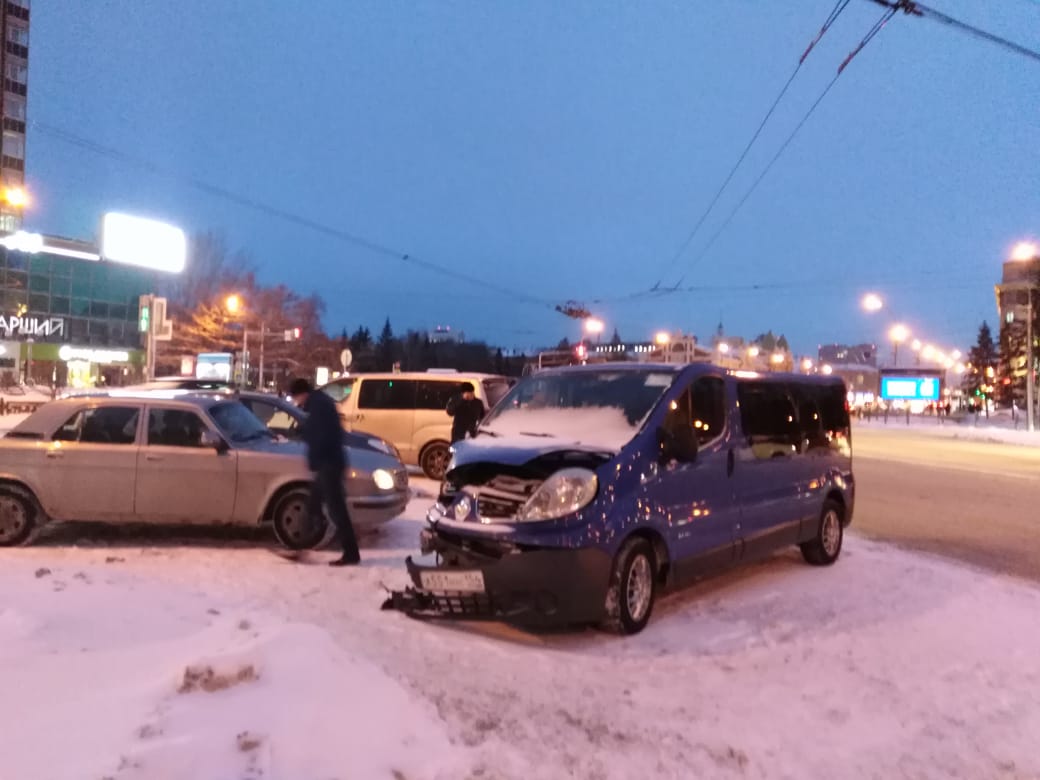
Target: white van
(408,410)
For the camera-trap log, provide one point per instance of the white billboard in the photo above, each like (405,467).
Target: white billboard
(143,242)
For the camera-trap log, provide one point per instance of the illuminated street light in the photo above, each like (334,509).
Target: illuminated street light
(752,351)
(1025,251)
(956,354)
(594,326)
(827,369)
(916,345)
(233,304)
(16,197)
(662,338)
(807,365)
(723,347)
(872,302)
(928,352)
(960,368)
(777,358)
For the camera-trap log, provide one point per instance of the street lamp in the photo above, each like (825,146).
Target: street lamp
(827,369)
(723,347)
(898,334)
(752,352)
(1028,252)
(872,302)
(776,358)
(807,365)
(233,304)
(593,326)
(16,197)
(662,338)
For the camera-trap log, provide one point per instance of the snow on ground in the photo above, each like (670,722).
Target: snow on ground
(889,664)
(968,429)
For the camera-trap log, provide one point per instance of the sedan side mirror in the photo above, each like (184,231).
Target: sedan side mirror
(679,444)
(213,441)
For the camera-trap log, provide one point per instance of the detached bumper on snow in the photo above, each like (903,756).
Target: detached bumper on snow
(485,580)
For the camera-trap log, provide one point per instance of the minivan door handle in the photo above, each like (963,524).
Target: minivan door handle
(54,454)
(731,462)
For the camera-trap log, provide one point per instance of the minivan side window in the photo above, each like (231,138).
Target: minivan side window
(823,417)
(701,408)
(769,419)
(709,408)
(103,425)
(432,394)
(339,390)
(387,394)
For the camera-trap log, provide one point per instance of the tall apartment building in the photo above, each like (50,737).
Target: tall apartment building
(14,64)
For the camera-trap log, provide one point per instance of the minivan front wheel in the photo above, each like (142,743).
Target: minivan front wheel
(434,460)
(825,547)
(633,588)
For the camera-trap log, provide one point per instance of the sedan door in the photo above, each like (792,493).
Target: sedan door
(179,479)
(92,463)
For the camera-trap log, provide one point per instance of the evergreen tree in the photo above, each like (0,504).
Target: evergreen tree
(981,358)
(387,348)
(615,340)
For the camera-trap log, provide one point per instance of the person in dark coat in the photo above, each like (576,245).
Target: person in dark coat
(323,434)
(466,411)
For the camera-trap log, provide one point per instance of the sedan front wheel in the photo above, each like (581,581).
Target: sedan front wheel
(18,515)
(293,526)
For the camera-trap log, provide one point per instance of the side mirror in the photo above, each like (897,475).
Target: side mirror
(679,445)
(213,441)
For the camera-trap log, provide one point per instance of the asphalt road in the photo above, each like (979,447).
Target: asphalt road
(978,502)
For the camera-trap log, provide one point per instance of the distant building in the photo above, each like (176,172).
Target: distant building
(14,63)
(443,334)
(844,354)
(1019,282)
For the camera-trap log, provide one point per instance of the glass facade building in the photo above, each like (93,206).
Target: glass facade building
(88,307)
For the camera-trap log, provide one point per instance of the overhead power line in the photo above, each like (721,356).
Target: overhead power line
(830,20)
(878,26)
(287,216)
(920,10)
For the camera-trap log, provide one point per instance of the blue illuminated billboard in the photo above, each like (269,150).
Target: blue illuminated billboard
(910,388)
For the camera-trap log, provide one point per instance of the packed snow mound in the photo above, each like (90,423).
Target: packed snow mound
(135,681)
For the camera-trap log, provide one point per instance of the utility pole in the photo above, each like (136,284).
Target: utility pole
(263,341)
(1030,380)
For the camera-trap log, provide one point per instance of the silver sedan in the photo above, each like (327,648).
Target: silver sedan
(175,458)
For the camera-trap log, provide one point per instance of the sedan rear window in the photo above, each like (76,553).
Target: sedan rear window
(101,425)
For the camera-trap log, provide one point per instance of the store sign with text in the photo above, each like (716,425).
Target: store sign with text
(14,326)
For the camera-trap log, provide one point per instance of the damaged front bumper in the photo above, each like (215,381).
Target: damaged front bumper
(483,579)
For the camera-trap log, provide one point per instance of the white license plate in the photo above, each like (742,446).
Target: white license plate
(456,581)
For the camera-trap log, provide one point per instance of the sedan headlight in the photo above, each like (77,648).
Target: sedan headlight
(384,479)
(563,493)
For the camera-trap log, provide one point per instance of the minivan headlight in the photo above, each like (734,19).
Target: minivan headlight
(563,493)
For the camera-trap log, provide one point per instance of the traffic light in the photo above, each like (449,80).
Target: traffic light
(144,314)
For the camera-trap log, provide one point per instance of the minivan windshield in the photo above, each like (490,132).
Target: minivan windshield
(596,408)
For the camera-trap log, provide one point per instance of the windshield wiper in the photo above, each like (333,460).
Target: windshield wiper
(539,435)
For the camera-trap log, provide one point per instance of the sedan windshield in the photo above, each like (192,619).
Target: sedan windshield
(596,408)
(237,423)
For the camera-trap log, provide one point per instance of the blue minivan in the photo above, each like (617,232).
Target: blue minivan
(590,490)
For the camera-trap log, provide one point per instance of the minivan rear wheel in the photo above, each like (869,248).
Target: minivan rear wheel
(18,516)
(824,549)
(292,524)
(434,460)
(633,588)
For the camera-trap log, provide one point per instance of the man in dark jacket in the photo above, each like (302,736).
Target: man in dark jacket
(466,411)
(323,434)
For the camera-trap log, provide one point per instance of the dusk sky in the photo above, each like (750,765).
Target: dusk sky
(561,150)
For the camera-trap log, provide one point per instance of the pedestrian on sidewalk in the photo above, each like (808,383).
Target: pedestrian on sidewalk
(466,411)
(323,434)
